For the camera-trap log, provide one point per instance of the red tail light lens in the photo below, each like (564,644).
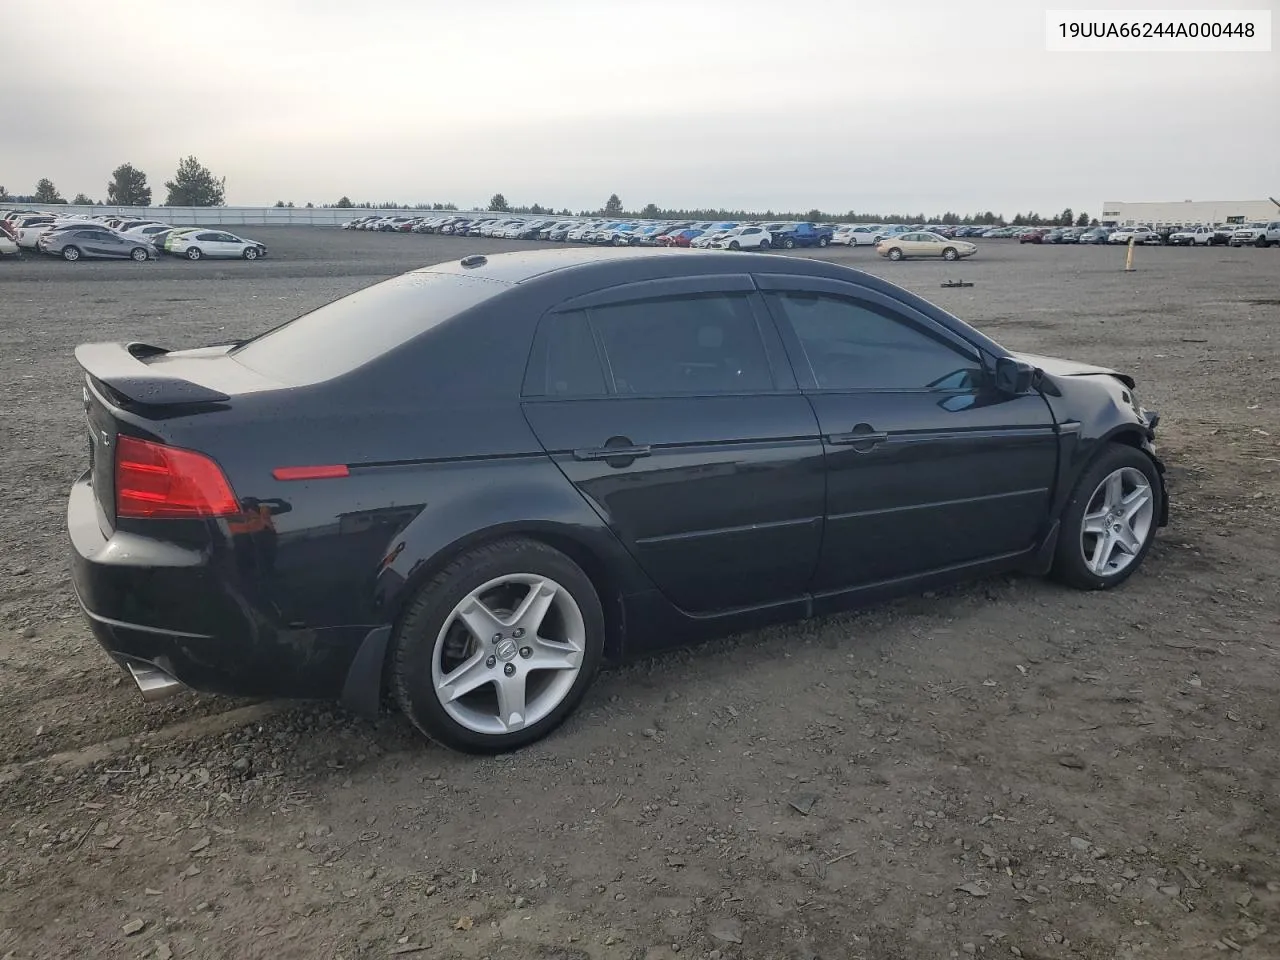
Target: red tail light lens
(161,482)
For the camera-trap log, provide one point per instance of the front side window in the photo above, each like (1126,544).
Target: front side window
(698,344)
(853,344)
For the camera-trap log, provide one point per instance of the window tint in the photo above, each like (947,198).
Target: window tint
(855,345)
(690,344)
(564,361)
(351,331)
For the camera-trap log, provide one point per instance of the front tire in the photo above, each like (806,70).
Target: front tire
(950,254)
(71,254)
(250,253)
(765,244)
(498,648)
(1110,521)
(895,253)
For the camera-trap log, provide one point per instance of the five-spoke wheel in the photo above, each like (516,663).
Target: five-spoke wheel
(1110,521)
(499,647)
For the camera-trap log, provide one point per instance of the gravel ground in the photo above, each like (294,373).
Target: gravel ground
(1006,769)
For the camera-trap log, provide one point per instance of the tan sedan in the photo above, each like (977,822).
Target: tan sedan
(924,244)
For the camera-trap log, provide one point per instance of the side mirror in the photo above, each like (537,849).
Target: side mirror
(1013,377)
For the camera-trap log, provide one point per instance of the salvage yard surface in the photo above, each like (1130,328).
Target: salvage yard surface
(1008,769)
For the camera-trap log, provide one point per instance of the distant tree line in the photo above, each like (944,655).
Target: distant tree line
(194,185)
(613,207)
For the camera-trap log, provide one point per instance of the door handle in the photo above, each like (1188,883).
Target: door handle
(617,452)
(863,438)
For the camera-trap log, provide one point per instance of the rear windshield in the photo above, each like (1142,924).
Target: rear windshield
(351,331)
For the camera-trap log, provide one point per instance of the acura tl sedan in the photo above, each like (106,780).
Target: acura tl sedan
(922,243)
(665,445)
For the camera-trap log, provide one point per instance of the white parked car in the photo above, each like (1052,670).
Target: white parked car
(744,238)
(8,246)
(1257,234)
(1191,236)
(31,229)
(711,236)
(1137,234)
(216,243)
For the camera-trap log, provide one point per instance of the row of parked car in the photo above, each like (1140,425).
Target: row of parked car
(895,241)
(1259,234)
(113,238)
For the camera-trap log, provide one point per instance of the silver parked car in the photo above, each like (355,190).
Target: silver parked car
(96,243)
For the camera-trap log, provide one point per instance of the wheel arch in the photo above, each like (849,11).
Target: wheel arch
(587,552)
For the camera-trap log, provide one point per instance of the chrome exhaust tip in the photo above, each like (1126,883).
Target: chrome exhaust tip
(153,683)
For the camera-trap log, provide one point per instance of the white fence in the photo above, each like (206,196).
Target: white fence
(237,216)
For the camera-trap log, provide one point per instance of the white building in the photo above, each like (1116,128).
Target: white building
(1186,213)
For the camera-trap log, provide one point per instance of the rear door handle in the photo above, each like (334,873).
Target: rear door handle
(616,448)
(862,438)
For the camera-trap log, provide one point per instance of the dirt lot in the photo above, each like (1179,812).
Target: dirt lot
(1008,769)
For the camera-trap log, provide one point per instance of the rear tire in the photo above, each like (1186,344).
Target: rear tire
(1093,505)
(431,636)
(194,253)
(138,254)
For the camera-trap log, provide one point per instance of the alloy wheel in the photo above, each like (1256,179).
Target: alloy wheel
(1117,522)
(508,653)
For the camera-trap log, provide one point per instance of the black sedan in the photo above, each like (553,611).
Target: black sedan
(469,485)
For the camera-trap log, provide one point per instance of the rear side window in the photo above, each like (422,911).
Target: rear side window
(702,344)
(564,361)
(354,330)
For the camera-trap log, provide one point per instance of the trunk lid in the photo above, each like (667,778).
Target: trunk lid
(130,387)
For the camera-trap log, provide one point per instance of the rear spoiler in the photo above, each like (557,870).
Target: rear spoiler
(121,367)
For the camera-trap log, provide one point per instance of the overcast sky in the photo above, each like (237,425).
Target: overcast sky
(840,104)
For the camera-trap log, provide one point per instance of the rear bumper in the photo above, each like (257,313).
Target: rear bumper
(174,615)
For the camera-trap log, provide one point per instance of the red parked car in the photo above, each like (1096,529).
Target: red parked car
(681,238)
(1033,236)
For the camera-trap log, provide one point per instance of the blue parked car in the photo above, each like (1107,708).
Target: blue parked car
(802,235)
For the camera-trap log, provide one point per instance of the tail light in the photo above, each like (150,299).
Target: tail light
(155,481)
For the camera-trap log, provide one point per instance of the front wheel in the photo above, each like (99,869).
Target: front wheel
(251,253)
(193,253)
(1263,242)
(734,245)
(895,254)
(71,254)
(499,647)
(1110,521)
(788,243)
(764,244)
(950,254)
